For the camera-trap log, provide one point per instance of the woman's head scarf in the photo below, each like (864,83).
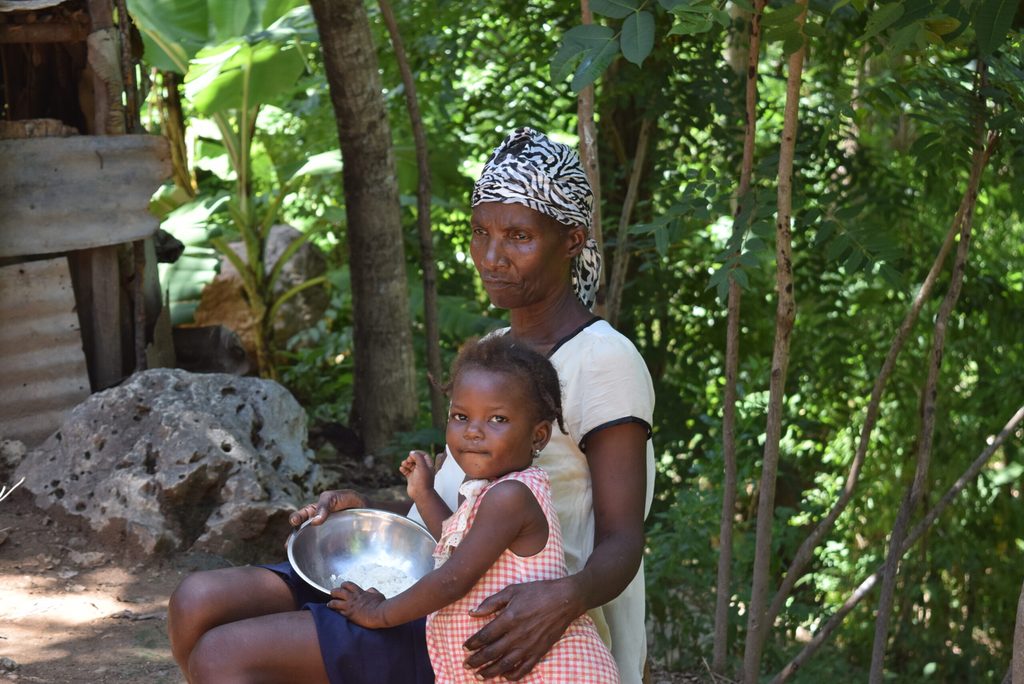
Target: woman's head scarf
(529,168)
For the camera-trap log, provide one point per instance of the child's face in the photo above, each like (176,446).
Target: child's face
(492,428)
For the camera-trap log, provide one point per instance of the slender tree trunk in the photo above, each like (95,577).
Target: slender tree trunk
(806,551)
(172,122)
(723,586)
(618,283)
(865,587)
(963,633)
(438,409)
(384,395)
(128,64)
(723,592)
(785,316)
(928,401)
(587,131)
(1017,660)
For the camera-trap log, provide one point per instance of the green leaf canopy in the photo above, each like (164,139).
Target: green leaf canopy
(173,31)
(992,22)
(637,37)
(237,74)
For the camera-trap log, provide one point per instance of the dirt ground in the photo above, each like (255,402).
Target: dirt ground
(73,611)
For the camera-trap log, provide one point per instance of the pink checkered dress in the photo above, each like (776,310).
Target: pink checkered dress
(579,657)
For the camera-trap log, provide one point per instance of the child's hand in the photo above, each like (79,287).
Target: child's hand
(418,469)
(360,607)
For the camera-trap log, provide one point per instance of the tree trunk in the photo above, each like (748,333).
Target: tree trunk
(1017,660)
(805,553)
(438,405)
(928,405)
(384,393)
(172,121)
(621,262)
(732,355)
(587,131)
(785,315)
(128,63)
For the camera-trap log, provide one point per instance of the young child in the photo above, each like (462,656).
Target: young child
(504,398)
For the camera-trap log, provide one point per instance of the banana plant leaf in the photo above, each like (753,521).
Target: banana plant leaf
(174,31)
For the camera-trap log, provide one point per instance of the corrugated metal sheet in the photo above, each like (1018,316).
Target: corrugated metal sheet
(28,5)
(42,365)
(61,194)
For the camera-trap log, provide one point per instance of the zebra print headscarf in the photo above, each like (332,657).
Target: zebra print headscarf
(529,168)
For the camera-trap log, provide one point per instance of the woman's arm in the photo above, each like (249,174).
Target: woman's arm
(328,502)
(532,617)
(507,513)
(335,500)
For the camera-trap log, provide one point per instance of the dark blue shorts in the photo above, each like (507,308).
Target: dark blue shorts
(354,654)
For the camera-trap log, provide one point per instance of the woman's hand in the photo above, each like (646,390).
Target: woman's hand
(331,501)
(360,607)
(530,619)
(418,469)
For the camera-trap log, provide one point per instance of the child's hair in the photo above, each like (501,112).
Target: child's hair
(502,354)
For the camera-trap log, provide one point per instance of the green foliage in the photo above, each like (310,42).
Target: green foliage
(587,50)
(682,567)
(992,20)
(317,366)
(172,30)
(887,117)
(187,276)
(637,37)
(229,80)
(238,73)
(880,170)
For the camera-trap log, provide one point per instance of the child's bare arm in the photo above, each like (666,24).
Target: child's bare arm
(418,470)
(508,512)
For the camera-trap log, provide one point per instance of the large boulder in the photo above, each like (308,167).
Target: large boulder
(171,460)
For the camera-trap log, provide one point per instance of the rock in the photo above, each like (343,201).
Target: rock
(210,349)
(223,300)
(11,453)
(171,460)
(87,559)
(168,248)
(343,439)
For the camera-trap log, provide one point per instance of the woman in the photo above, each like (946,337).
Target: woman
(531,219)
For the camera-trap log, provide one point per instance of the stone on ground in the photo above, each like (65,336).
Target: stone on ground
(171,460)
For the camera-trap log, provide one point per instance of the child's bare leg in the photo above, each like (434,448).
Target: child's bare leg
(208,599)
(282,647)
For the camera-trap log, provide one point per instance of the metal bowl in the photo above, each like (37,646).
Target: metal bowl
(357,536)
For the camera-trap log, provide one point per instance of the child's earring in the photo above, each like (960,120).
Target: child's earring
(536,453)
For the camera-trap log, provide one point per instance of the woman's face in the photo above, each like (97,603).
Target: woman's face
(522,256)
(491,429)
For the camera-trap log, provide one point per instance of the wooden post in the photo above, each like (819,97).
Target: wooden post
(139,304)
(98,270)
(131,91)
(98,292)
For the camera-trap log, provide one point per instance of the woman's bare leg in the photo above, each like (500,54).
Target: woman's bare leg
(209,599)
(270,649)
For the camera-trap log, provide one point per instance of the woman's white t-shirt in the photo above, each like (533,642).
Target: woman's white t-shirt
(605,382)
